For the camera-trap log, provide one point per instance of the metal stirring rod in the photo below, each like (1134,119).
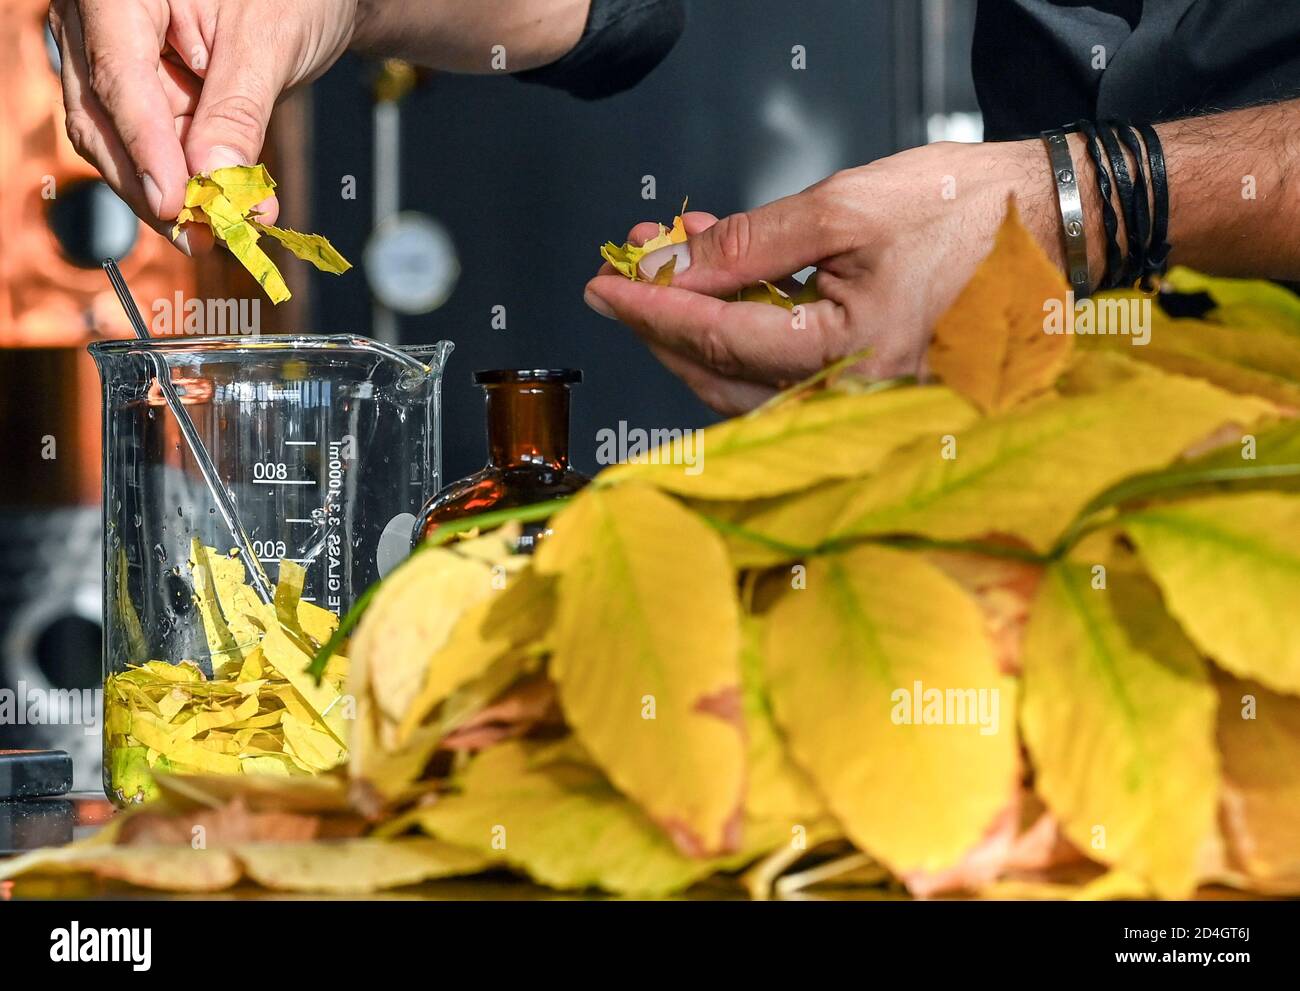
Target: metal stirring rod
(220,494)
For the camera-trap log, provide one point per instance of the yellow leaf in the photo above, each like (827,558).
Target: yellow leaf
(1118,716)
(776,789)
(645,653)
(1247,545)
(232,227)
(245,186)
(1261,357)
(1116,885)
(312,748)
(1259,738)
(225,201)
(355,866)
(312,248)
(398,671)
(1248,302)
(410,620)
(664,277)
(991,345)
(164,868)
(773,531)
(797,444)
(878,638)
(505,621)
(1027,473)
(326,793)
(560,822)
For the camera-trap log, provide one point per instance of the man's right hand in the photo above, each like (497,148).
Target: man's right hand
(159,90)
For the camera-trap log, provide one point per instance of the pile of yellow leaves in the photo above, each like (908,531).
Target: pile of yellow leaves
(259,713)
(226,200)
(1025,633)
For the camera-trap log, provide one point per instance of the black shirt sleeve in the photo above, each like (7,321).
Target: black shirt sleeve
(622,42)
(1045,63)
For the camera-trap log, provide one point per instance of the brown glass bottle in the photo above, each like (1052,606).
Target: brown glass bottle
(528,451)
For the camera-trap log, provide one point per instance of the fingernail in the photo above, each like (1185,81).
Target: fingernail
(183,241)
(152,194)
(657,259)
(598,304)
(222,157)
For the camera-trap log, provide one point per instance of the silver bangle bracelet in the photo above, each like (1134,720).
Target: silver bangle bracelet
(1071,204)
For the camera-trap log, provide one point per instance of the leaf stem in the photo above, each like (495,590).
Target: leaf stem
(1154,484)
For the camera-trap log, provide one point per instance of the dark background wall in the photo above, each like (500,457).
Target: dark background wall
(530,182)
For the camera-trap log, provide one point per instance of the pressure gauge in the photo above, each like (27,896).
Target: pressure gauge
(411,263)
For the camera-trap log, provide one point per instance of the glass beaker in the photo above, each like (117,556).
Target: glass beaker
(329,447)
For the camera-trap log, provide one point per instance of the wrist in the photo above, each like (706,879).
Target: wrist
(1040,205)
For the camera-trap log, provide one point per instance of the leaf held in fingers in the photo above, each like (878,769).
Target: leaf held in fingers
(1118,716)
(626,260)
(877,637)
(1249,542)
(645,652)
(225,201)
(991,345)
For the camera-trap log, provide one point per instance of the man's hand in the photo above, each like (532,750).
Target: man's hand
(894,242)
(158,90)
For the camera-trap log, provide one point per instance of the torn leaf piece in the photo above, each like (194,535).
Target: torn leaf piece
(226,201)
(313,248)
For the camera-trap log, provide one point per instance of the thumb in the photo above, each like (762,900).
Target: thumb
(234,105)
(740,250)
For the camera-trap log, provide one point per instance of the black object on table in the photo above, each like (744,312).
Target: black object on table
(34,773)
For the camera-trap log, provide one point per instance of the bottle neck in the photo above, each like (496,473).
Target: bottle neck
(528,425)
